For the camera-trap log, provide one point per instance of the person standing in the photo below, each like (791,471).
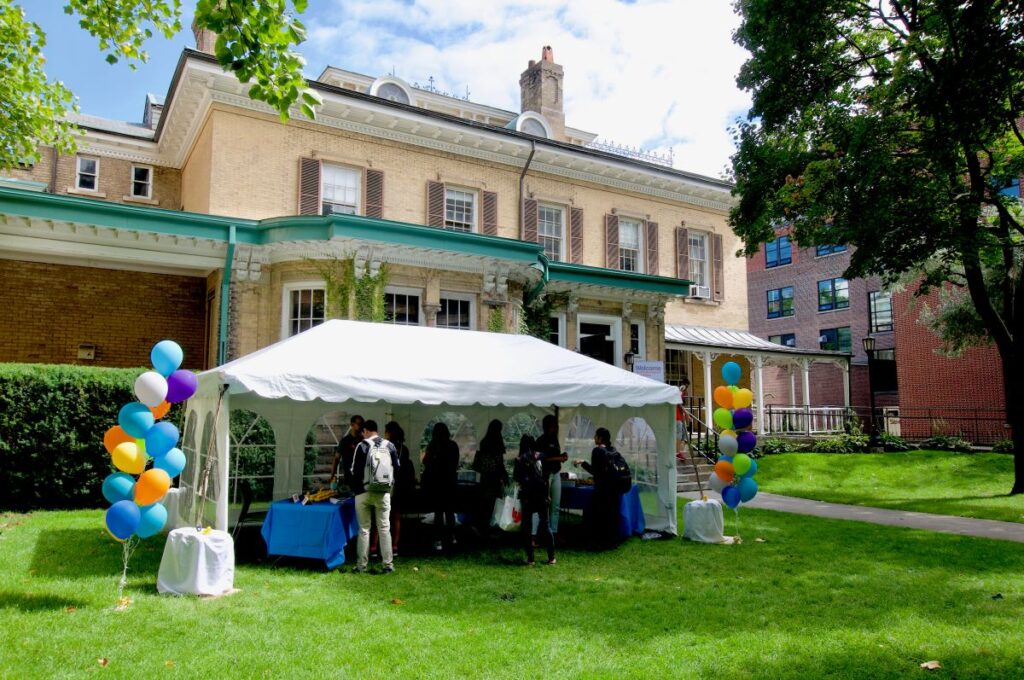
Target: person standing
(603,520)
(405,487)
(374,465)
(346,450)
(533,496)
(552,458)
(489,462)
(440,482)
(682,414)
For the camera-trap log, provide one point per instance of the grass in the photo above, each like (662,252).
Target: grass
(962,484)
(819,598)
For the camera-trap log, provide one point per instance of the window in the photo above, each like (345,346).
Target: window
(305,308)
(629,246)
(637,340)
(1011,188)
(340,190)
(459,210)
(778,252)
(836,339)
(880,307)
(402,307)
(393,92)
(780,302)
(833,294)
(551,230)
(556,330)
(786,339)
(142,181)
(88,174)
(456,312)
(677,364)
(829,250)
(699,259)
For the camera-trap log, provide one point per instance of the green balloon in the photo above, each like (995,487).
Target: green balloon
(723,418)
(740,464)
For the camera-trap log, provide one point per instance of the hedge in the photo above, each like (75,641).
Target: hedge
(52,420)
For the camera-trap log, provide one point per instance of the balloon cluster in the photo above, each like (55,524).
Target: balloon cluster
(139,438)
(734,472)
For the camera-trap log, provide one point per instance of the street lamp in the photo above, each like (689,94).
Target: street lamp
(875,439)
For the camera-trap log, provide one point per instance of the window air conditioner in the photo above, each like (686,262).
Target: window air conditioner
(702,292)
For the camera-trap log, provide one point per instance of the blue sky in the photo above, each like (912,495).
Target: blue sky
(652,73)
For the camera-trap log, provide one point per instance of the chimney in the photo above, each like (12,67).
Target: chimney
(205,38)
(540,88)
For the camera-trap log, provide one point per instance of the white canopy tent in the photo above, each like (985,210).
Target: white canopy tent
(416,375)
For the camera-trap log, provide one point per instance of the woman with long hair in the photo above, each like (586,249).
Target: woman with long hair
(440,480)
(533,496)
(489,462)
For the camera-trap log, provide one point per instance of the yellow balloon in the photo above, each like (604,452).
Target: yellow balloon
(128,458)
(727,433)
(743,398)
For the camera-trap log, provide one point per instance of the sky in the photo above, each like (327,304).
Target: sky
(657,74)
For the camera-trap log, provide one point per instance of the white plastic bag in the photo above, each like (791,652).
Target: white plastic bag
(511,513)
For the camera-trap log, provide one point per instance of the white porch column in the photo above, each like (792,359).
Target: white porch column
(805,369)
(846,384)
(792,386)
(759,373)
(709,404)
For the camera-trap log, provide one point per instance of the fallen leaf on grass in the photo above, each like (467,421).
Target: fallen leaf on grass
(397,601)
(760,540)
(103,662)
(71,610)
(123,604)
(169,663)
(931,665)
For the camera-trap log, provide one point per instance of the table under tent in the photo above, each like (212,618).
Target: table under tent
(418,376)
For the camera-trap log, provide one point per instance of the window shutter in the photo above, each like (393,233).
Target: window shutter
(576,235)
(530,220)
(652,248)
(489,213)
(435,204)
(611,237)
(374,193)
(309,186)
(682,253)
(719,276)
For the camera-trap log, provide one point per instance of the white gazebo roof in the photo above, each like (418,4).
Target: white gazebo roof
(738,342)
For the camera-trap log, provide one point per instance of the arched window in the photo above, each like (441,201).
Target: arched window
(638,445)
(253,450)
(393,92)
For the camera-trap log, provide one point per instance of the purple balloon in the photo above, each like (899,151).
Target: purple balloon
(181,385)
(746,441)
(731,496)
(742,417)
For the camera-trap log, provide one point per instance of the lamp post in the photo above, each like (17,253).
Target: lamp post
(874,440)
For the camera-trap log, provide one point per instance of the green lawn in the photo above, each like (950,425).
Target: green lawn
(818,598)
(963,484)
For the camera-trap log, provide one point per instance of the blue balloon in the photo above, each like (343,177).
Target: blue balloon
(731,496)
(727,459)
(753,469)
(742,417)
(135,419)
(152,520)
(172,462)
(161,438)
(123,519)
(166,357)
(747,488)
(731,372)
(118,487)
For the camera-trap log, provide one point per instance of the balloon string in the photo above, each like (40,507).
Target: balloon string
(127,550)
(736,511)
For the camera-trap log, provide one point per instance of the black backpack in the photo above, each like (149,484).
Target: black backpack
(620,477)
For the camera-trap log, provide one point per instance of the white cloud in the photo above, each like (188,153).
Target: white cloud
(659,73)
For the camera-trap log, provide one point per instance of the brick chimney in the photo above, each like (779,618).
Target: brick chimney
(540,88)
(205,38)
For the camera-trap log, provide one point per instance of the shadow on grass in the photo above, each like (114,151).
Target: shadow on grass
(80,553)
(36,602)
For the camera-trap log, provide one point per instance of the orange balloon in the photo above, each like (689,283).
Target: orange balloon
(152,486)
(723,469)
(115,436)
(723,396)
(160,410)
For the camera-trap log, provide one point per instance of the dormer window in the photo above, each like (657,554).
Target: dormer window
(532,123)
(393,89)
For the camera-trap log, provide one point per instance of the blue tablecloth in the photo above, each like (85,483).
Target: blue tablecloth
(316,530)
(630,511)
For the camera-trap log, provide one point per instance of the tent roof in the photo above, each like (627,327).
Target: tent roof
(352,360)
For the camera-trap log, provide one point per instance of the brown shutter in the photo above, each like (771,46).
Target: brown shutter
(576,235)
(652,248)
(309,186)
(719,275)
(489,213)
(611,238)
(530,220)
(682,253)
(374,193)
(435,204)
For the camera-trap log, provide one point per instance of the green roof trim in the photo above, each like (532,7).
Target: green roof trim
(599,276)
(26,184)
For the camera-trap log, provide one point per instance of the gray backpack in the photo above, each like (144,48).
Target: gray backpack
(380,473)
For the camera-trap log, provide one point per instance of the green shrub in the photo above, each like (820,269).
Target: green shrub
(894,444)
(1003,446)
(844,443)
(775,446)
(946,442)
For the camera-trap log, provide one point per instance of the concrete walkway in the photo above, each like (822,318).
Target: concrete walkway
(964,526)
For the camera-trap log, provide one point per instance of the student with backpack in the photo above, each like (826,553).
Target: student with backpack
(373,471)
(528,473)
(612,478)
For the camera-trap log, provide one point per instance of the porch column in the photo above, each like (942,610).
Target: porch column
(709,404)
(792,386)
(846,384)
(759,373)
(430,311)
(805,368)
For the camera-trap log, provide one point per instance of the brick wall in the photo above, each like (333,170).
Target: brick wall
(51,309)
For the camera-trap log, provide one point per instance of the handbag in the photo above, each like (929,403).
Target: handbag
(511,518)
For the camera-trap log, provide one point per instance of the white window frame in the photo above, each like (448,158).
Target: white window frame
(561,246)
(639,241)
(400,290)
(707,256)
(616,325)
(286,300)
(641,338)
(562,340)
(78,174)
(475,208)
(358,206)
(462,297)
(132,180)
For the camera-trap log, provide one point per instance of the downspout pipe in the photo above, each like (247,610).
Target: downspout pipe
(225,294)
(522,187)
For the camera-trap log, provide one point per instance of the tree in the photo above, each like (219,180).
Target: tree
(254,40)
(893,126)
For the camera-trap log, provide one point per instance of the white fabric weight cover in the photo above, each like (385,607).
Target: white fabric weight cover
(197,563)
(703,522)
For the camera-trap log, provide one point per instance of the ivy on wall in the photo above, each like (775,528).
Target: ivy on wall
(535,318)
(350,296)
(496,319)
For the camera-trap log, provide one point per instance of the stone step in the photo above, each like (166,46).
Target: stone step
(689,486)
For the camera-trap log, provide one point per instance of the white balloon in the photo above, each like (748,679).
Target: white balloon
(151,388)
(717,483)
(727,445)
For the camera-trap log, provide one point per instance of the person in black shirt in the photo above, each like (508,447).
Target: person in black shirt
(552,458)
(604,516)
(440,482)
(533,496)
(489,462)
(345,451)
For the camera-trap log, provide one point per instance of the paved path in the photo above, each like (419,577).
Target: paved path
(965,526)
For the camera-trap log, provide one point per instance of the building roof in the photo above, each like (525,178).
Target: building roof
(117,127)
(742,341)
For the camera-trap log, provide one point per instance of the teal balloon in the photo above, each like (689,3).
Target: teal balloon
(172,462)
(731,496)
(166,356)
(753,469)
(161,438)
(727,445)
(135,419)
(731,373)
(152,519)
(123,519)
(119,486)
(723,418)
(747,489)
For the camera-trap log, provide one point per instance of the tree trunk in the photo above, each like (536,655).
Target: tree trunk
(1013,377)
